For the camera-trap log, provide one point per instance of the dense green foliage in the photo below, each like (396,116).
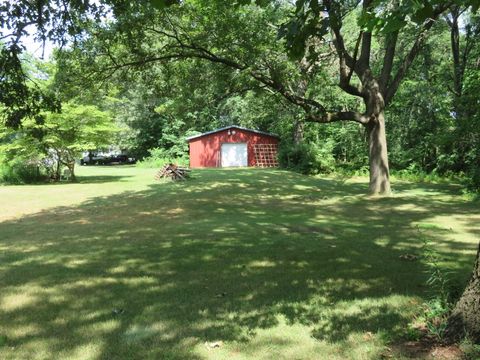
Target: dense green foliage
(308,159)
(166,70)
(42,151)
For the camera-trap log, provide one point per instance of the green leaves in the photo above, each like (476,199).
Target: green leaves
(162,4)
(306,22)
(385,17)
(422,12)
(474,4)
(261,3)
(21,97)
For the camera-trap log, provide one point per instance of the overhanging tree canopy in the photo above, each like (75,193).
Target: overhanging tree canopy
(312,27)
(240,38)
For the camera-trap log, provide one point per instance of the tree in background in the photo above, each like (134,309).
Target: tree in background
(76,129)
(59,141)
(464,74)
(52,140)
(22,154)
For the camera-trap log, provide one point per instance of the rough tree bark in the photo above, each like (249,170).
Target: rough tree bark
(374,91)
(376,134)
(58,166)
(378,156)
(465,317)
(298,130)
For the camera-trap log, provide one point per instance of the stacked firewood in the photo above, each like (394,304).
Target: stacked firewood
(172,171)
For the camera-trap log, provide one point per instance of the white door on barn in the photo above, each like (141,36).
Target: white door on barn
(234,154)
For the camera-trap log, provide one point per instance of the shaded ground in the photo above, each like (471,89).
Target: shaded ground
(271,263)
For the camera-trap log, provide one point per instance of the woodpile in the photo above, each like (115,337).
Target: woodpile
(172,171)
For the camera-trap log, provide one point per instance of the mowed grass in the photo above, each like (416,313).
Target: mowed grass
(273,264)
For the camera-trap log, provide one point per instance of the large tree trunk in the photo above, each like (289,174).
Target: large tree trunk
(465,317)
(378,156)
(58,169)
(298,130)
(71,167)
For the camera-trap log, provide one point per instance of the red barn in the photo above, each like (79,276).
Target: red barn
(233,146)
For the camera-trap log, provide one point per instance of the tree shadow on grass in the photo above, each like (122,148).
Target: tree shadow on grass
(99,179)
(83,179)
(154,274)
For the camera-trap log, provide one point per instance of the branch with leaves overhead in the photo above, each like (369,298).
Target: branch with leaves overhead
(387,81)
(180,46)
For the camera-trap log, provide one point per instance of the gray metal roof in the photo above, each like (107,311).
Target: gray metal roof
(230,127)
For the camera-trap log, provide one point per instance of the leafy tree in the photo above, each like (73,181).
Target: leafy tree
(76,129)
(60,140)
(53,20)
(378,76)
(22,156)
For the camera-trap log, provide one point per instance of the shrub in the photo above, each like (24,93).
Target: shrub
(17,172)
(159,157)
(437,309)
(414,173)
(306,158)
(473,182)
(470,350)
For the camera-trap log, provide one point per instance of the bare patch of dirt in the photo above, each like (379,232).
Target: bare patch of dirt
(447,352)
(427,349)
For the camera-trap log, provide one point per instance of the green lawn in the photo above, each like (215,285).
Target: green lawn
(271,263)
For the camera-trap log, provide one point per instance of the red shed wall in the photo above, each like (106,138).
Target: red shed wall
(205,150)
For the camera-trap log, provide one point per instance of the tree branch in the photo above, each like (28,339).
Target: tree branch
(390,46)
(182,47)
(338,116)
(364,60)
(336,25)
(191,51)
(344,58)
(345,75)
(412,54)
